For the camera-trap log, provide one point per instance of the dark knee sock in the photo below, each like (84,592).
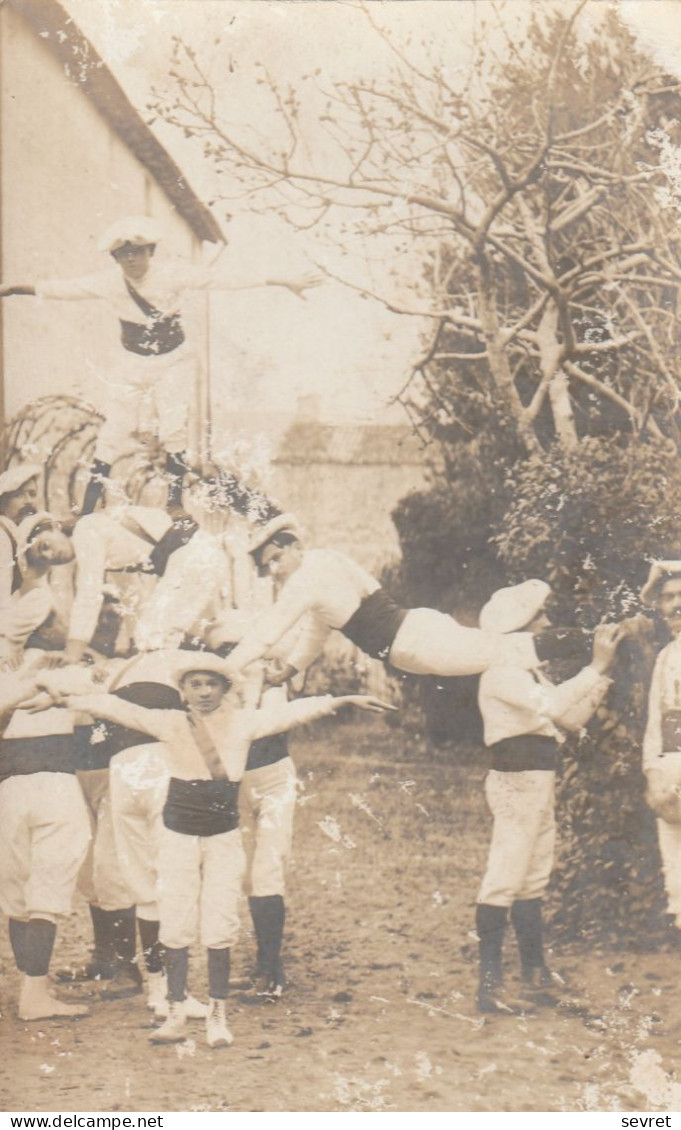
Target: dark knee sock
(526,917)
(93,491)
(177,968)
(218,974)
(269,915)
(17,938)
(39,943)
(102,928)
(152,949)
(124,937)
(490,924)
(176,469)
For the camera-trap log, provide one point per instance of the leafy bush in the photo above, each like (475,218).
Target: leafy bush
(589,520)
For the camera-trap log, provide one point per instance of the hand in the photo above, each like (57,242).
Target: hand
(607,638)
(277,673)
(364,702)
(300,285)
(41,700)
(52,659)
(664,799)
(74,652)
(639,627)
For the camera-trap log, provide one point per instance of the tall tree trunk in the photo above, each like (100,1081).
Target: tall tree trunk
(550,358)
(496,353)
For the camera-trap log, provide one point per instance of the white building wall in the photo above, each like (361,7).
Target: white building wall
(65,177)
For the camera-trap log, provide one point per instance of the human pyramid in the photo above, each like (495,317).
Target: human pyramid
(124,751)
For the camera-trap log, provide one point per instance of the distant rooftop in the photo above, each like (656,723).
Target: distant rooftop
(85,68)
(312,442)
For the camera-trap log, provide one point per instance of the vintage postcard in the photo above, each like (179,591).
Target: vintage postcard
(340,556)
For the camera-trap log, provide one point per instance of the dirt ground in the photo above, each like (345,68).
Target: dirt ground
(379,1013)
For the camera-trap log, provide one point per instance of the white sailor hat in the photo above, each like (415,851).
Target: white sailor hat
(200,661)
(660,571)
(283,523)
(142,231)
(15,477)
(27,530)
(510,609)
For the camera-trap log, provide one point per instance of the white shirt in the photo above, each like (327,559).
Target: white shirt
(8,537)
(514,702)
(196,578)
(100,543)
(55,720)
(664,696)
(231,727)
(328,587)
(164,286)
(23,615)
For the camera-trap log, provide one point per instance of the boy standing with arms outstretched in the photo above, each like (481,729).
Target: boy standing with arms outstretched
(201,858)
(155,380)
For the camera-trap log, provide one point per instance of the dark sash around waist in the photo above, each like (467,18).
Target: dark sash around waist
(55,753)
(151,340)
(267,751)
(671,731)
(202,808)
(99,742)
(529,751)
(374,625)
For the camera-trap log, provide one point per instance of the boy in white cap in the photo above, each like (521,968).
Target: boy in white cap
(331,591)
(201,859)
(18,499)
(524,716)
(662,739)
(31,603)
(154,385)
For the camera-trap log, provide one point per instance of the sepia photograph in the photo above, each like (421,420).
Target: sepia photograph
(340,556)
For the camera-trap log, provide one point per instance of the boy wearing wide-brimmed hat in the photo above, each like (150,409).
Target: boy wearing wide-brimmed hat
(201,859)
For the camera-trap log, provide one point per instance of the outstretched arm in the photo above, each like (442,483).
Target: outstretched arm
(158,724)
(222,275)
(14,689)
(280,718)
(299,285)
(293,602)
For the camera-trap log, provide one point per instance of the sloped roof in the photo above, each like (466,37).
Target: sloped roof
(85,68)
(311,442)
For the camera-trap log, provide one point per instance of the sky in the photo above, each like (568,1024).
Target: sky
(350,353)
